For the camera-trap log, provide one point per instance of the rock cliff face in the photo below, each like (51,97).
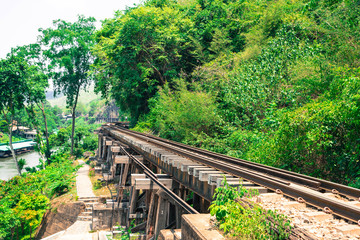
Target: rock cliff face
(59,218)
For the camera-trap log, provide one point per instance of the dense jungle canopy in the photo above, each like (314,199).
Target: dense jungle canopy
(275,82)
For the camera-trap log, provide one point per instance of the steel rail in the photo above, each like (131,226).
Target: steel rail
(313,198)
(154,178)
(350,192)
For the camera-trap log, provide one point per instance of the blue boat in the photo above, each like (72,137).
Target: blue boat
(19,147)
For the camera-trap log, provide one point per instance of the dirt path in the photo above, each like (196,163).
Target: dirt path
(80,229)
(83,183)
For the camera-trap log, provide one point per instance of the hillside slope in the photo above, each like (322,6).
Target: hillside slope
(276,82)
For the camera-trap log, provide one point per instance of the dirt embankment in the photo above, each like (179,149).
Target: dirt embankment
(61,216)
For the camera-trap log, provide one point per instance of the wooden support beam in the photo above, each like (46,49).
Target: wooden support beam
(99,146)
(147,184)
(134,194)
(150,219)
(139,227)
(214,177)
(204,175)
(120,159)
(196,202)
(115,149)
(125,174)
(136,215)
(143,176)
(103,150)
(139,157)
(161,216)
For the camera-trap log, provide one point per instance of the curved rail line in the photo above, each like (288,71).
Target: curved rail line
(313,182)
(269,177)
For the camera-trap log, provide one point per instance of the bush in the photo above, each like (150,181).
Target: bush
(321,139)
(240,221)
(92,172)
(98,184)
(183,115)
(24,200)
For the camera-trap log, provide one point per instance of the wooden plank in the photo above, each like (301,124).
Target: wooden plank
(103,150)
(115,149)
(143,176)
(161,216)
(213,178)
(108,143)
(136,215)
(147,184)
(134,194)
(121,159)
(197,171)
(191,169)
(99,147)
(125,174)
(149,230)
(139,157)
(185,166)
(204,175)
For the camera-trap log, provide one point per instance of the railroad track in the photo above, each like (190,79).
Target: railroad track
(294,185)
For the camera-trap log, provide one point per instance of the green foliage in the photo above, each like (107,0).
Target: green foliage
(98,184)
(22,84)
(84,138)
(139,51)
(24,200)
(91,172)
(183,115)
(19,82)
(4,139)
(240,221)
(68,52)
(31,208)
(22,163)
(282,79)
(67,48)
(125,232)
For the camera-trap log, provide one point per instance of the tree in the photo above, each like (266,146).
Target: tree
(67,47)
(139,51)
(37,84)
(14,75)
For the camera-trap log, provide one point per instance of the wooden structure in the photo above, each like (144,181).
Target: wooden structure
(147,205)
(151,207)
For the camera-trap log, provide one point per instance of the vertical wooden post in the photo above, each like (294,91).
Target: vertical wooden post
(196,201)
(161,215)
(150,217)
(103,147)
(99,145)
(125,174)
(178,209)
(134,195)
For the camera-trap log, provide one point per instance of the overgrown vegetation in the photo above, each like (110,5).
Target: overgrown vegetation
(24,199)
(276,82)
(246,220)
(84,138)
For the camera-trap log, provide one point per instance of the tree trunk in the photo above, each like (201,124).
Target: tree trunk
(73,120)
(11,146)
(32,116)
(47,151)
(73,131)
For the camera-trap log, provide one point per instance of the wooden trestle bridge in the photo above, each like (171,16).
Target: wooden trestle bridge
(155,178)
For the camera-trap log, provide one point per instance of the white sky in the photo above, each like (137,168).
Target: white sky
(21,19)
